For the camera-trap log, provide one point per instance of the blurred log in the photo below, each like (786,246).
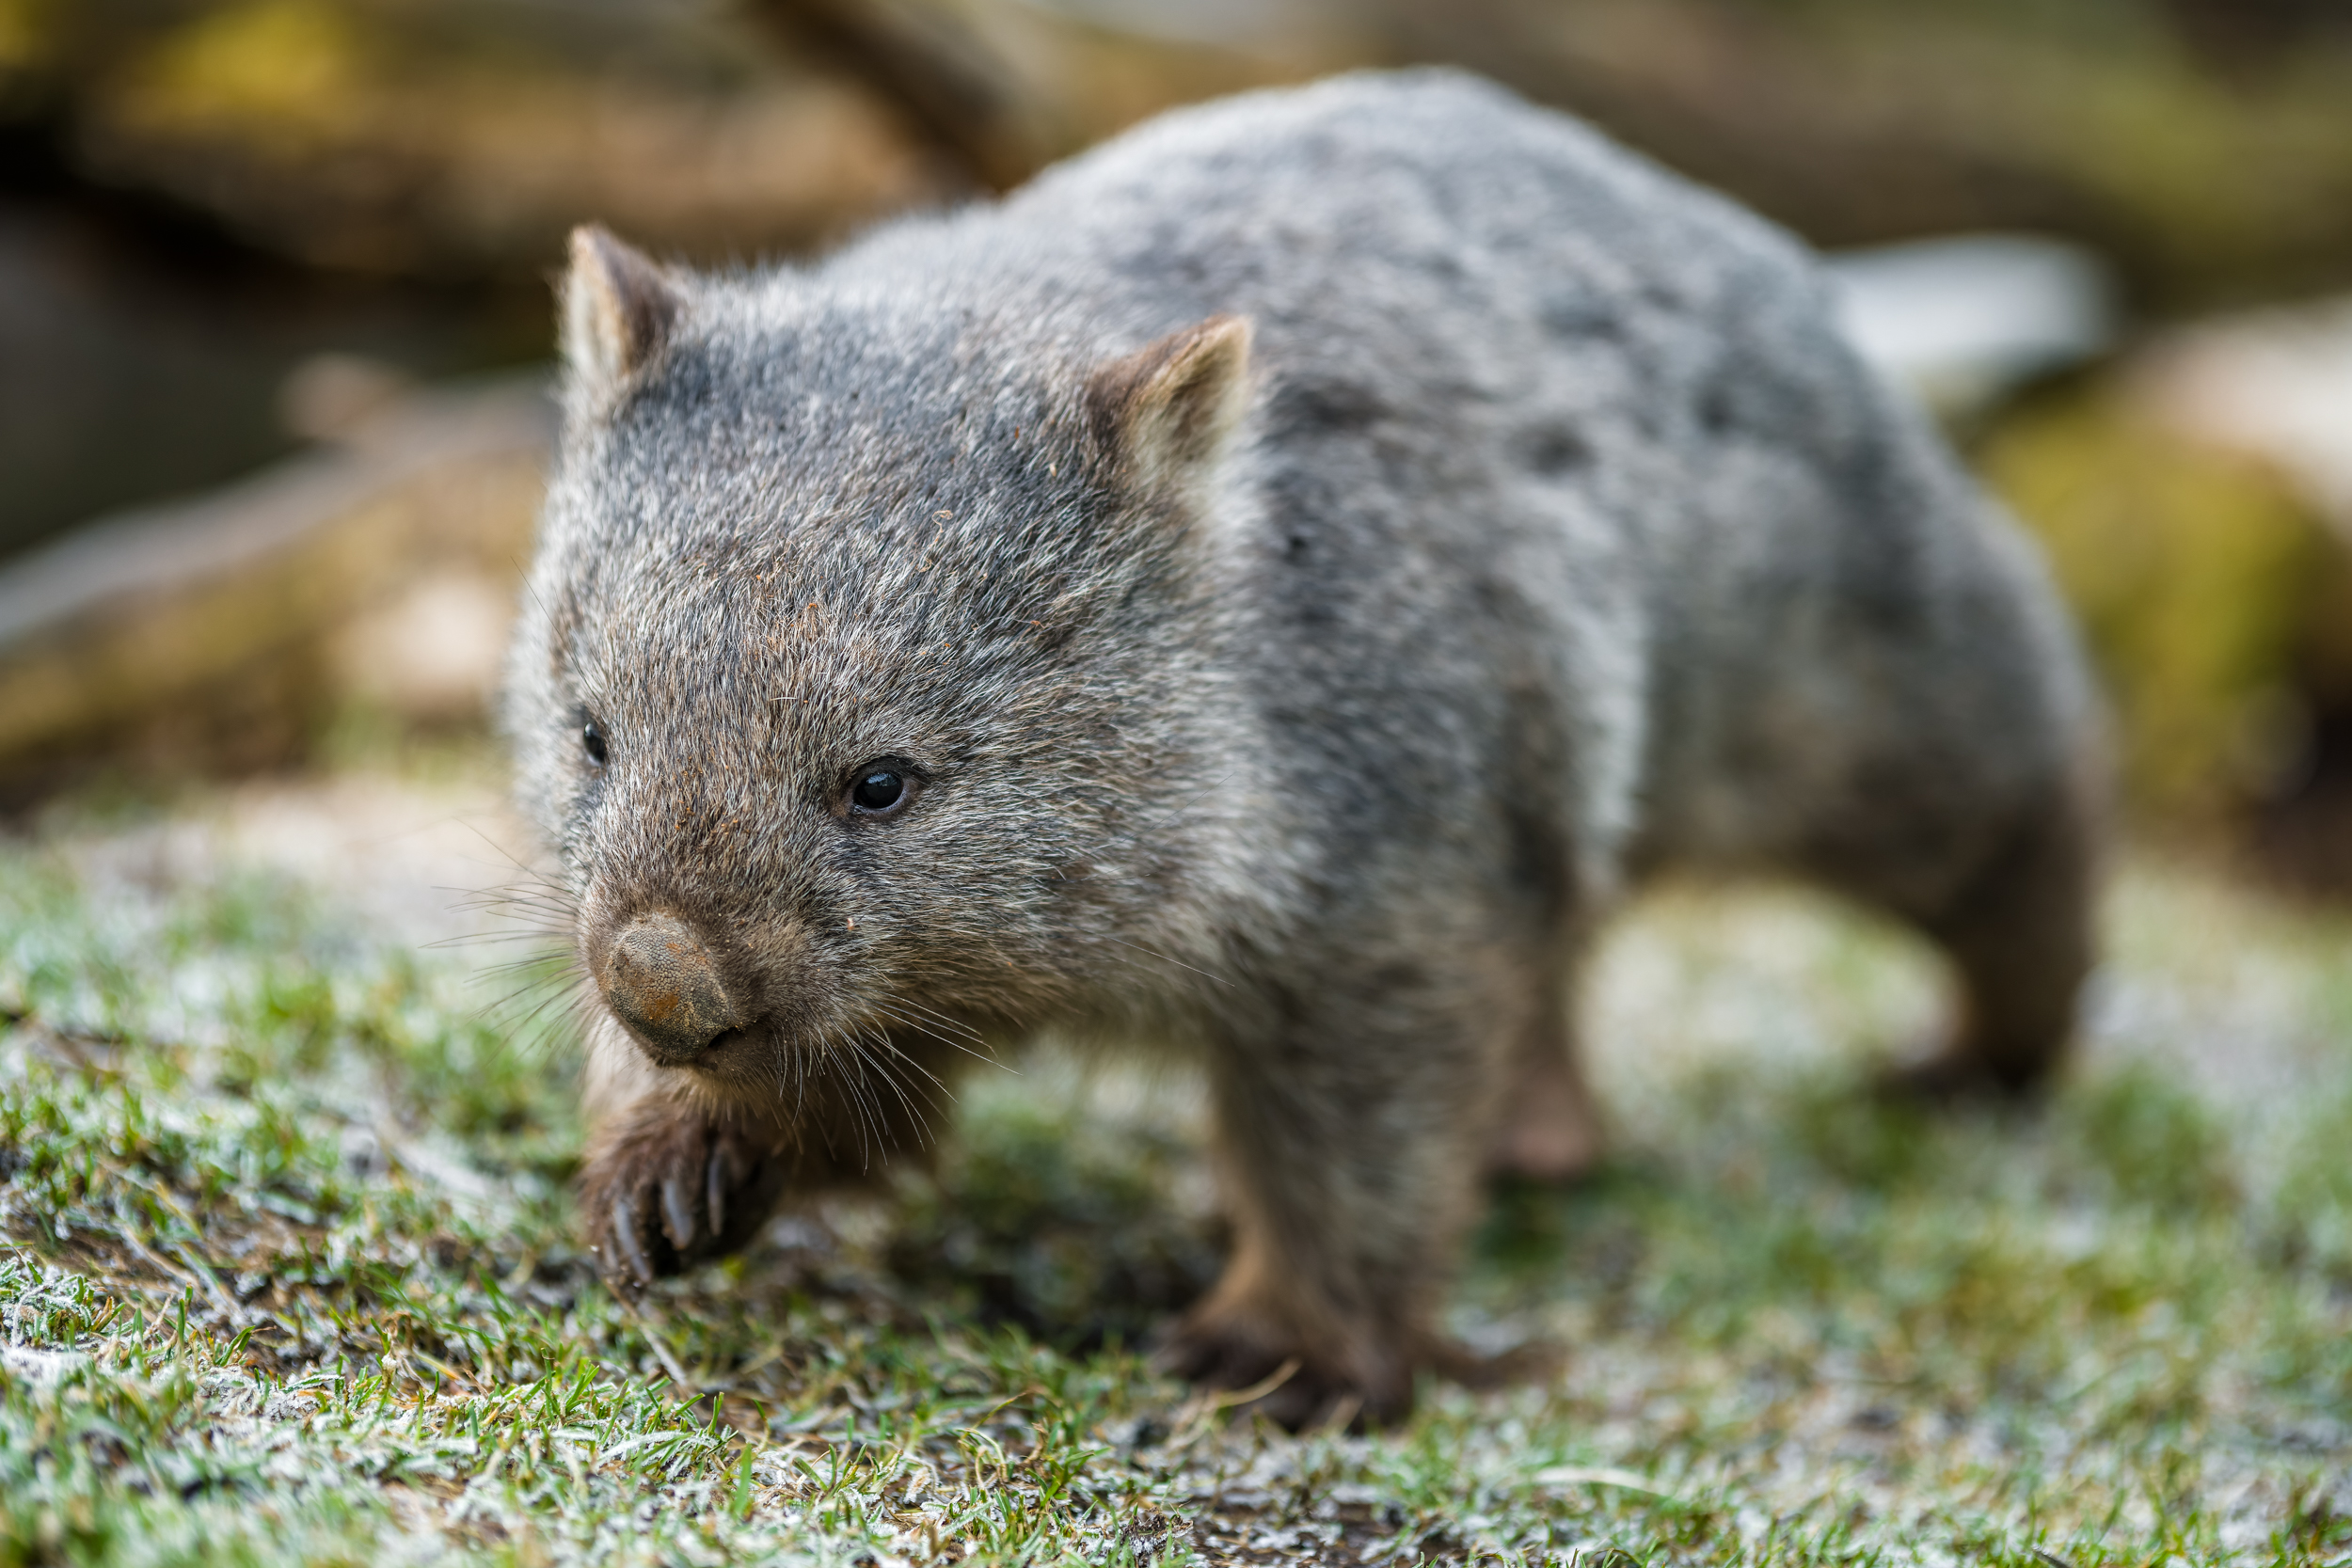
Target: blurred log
(215,635)
(1005,89)
(2250,39)
(949,84)
(1736,98)
(462,142)
(459,141)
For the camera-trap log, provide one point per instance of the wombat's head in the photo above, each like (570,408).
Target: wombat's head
(864,670)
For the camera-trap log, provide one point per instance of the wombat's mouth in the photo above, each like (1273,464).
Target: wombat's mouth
(742,1066)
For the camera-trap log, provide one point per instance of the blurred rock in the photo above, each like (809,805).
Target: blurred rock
(2274,387)
(431,656)
(2193,507)
(215,635)
(1966,321)
(331,396)
(2273,384)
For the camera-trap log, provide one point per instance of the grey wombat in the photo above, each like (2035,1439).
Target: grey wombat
(1267,587)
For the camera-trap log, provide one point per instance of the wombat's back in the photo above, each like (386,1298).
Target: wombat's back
(1539,420)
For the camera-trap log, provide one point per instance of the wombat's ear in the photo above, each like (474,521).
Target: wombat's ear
(1164,410)
(619,306)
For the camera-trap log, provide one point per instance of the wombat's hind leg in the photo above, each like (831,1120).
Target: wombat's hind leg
(670,1184)
(2020,938)
(1349,1142)
(1550,1129)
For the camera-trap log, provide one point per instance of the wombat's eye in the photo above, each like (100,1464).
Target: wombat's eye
(880,790)
(592,740)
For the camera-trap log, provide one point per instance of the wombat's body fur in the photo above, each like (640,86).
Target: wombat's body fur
(1297,565)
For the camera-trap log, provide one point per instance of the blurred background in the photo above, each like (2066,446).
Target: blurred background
(275,318)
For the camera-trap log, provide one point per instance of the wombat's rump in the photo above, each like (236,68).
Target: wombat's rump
(1264,588)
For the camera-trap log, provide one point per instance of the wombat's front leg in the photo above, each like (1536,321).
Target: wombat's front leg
(669,1177)
(1550,1129)
(669,1182)
(674,1174)
(1350,1142)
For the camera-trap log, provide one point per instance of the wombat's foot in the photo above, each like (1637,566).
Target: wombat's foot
(1552,1131)
(1232,1348)
(673,1189)
(2019,936)
(1956,1076)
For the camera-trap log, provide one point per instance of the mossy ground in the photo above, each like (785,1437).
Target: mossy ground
(286,1275)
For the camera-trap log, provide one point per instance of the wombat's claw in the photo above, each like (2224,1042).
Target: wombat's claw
(678,1193)
(1296,1392)
(626,1242)
(716,1175)
(678,1213)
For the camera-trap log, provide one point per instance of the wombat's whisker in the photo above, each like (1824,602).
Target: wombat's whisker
(484,939)
(532,875)
(535,962)
(504,901)
(954,1025)
(568,993)
(883,1069)
(851,1070)
(554,967)
(1180,963)
(917,1026)
(913,1027)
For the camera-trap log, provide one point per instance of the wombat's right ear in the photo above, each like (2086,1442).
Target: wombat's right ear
(619,306)
(1164,410)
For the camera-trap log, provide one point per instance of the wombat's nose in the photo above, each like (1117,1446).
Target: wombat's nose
(661,981)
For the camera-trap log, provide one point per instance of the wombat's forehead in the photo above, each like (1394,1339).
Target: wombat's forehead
(799,620)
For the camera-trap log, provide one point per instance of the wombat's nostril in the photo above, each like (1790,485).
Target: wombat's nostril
(659,981)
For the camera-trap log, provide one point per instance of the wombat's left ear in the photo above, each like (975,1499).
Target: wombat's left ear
(1164,412)
(619,306)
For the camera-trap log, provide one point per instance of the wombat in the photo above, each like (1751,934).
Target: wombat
(1268,587)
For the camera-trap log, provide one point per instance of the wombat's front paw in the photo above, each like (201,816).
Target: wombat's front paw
(670,1190)
(1235,1349)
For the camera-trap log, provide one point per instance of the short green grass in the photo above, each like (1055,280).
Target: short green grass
(286,1274)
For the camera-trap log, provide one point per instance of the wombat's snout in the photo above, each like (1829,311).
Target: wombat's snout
(661,981)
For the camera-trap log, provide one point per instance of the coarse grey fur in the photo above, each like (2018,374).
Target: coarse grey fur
(1304,560)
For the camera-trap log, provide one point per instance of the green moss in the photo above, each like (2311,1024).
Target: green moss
(291,64)
(27,34)
(2194,574)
